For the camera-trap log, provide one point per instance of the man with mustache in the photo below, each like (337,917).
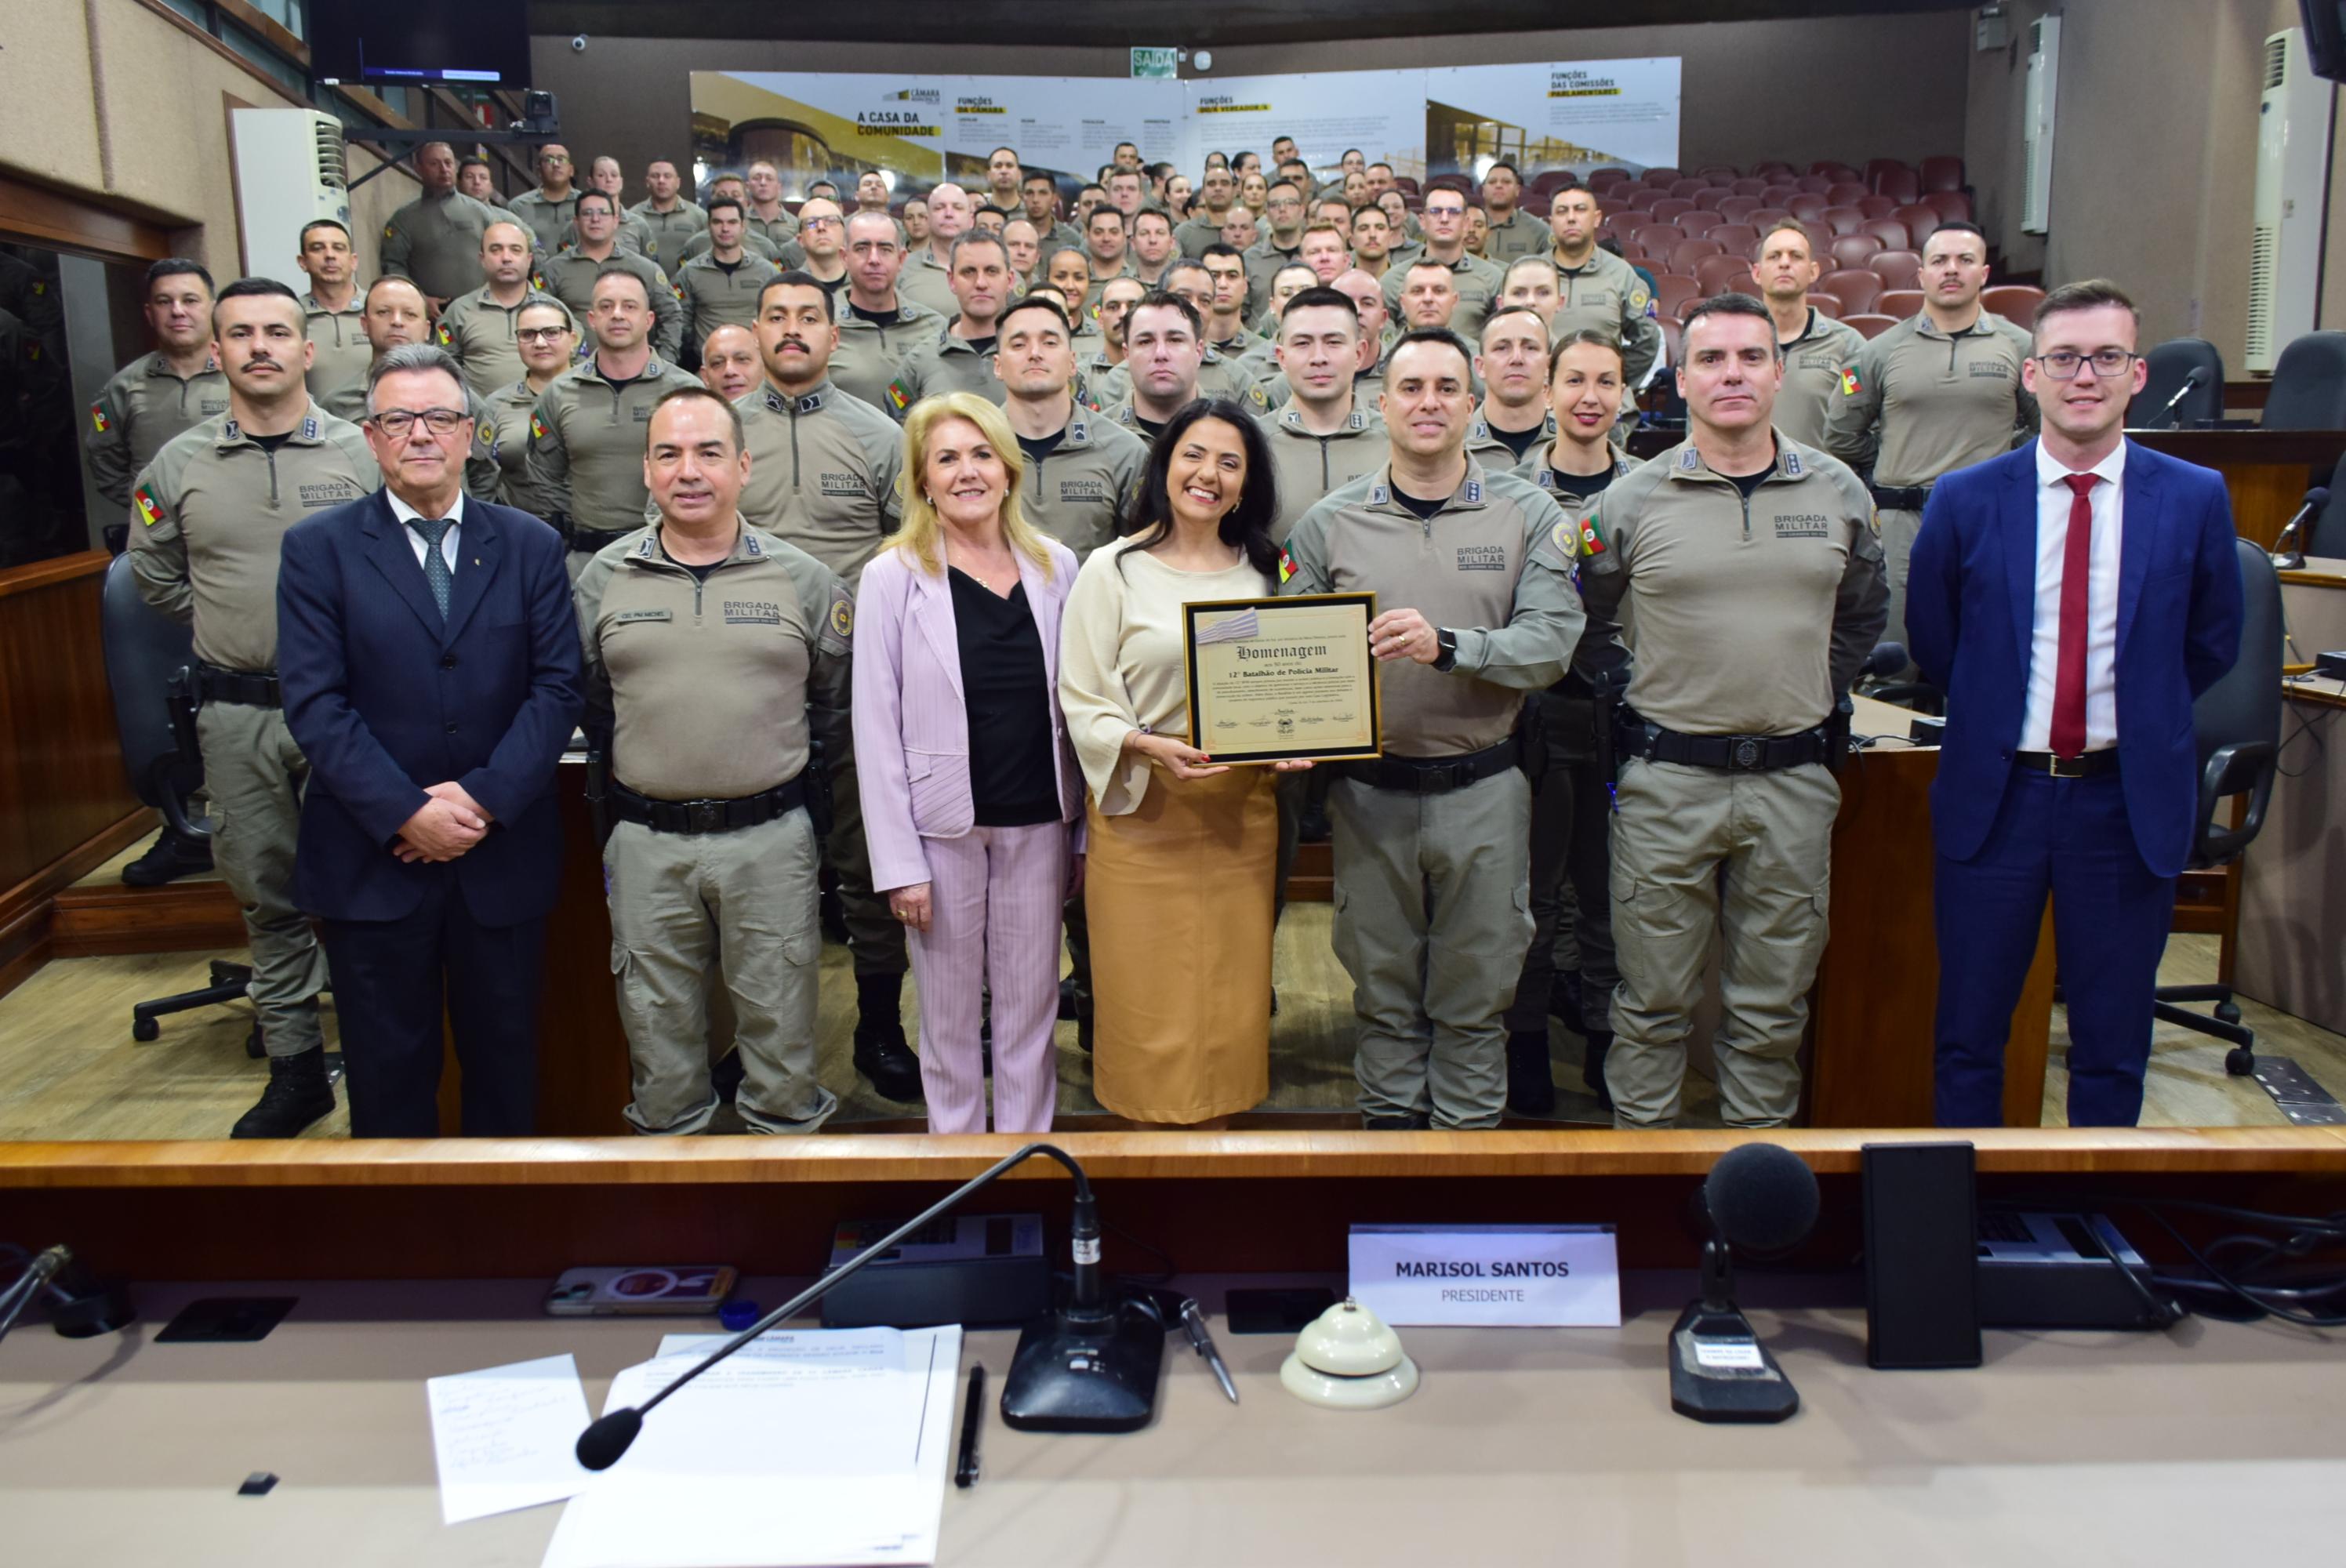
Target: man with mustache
(206,517)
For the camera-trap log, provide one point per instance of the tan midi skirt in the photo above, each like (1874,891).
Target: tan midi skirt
(1178,896)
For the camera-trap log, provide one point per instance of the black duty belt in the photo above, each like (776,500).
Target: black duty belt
(1731,753)
(1898,498)
(250,687)
(2058,767)
(586,540)
(705,816)
(1434,775)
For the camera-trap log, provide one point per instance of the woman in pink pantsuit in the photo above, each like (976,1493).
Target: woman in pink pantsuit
(977,846)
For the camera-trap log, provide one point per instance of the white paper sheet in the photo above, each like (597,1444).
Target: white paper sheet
(819,1447)
(503,1436)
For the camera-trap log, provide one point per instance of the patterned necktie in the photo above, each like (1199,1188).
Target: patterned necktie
(2067,733)
(435,564)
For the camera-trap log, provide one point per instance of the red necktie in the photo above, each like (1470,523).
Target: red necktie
(2068,738)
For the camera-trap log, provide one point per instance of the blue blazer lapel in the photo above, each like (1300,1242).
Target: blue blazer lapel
(479,546)
(932,607)
(2138,523)
(394,557)
(2019,520)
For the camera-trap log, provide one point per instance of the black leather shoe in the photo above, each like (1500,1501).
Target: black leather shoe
(881,1056)
(298,1095)
(1415,1121)
(1531,1084)
(1068,998)
(1591,1069)
(1312,826)
(727,1075)
(172,856)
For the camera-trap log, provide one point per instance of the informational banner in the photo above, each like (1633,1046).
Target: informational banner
(921,128)
(1580,115)
(1382,113)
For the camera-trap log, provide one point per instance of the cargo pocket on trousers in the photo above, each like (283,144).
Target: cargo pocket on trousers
(1340,930)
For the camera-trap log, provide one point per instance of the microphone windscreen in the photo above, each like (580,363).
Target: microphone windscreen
(1763,1196)
(604,1440)
(1887,658)
(2318,497)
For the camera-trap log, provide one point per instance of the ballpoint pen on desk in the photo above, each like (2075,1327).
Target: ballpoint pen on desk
(1194,1321)
(972,1411)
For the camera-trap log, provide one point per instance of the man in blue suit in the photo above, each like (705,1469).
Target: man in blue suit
(2072,599)
(431,672)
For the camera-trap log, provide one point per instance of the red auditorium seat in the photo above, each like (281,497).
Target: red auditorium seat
(1686,253)
(1896,268)
(1766,215)
(1637,197)
(1943,173)
(1608,175)
(1843,219)
(1656,239)
(1664,176)
(1406,184)
(1735,237)
(2016,302)
(1899,302)
(1751,185)
(1876,169)
(1854,287)
(1901,184)
(1738,208)
(1691,187)
(1814,184)
(1870,324)
(1808,207)
(1719,274)
(1950,205)
(1919,221)
(1851,249)
(1673,293)
(1876,206)
(1837,172)
(1719,173)
(1826,303)
(1777,169)
(1673,340)
(1670,210)
(1847,193)
(1889,230)
(1779,192)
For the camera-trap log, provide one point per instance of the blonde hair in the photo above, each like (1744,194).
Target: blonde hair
(922,536)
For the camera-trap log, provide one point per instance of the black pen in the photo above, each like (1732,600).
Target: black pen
(966,1467)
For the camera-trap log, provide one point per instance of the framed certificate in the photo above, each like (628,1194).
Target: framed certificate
(1275,679)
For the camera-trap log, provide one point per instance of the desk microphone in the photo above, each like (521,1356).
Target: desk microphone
(2190,383)
(1761,1198)
(80,1305)
(1886,660)
(2316,500)
(1088,1366)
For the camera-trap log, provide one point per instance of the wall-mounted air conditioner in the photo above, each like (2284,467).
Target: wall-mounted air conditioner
(2036,124)
(289,172)
(2293,123)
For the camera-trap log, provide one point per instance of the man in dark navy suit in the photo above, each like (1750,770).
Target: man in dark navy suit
(2072,599)
(431,671)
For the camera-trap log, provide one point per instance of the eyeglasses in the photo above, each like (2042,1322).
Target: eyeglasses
(818,222)
(542,334)
(1445,212)
(2061,364)
(398,423)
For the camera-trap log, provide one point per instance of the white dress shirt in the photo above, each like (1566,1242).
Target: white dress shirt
(406,514)
(2054,499)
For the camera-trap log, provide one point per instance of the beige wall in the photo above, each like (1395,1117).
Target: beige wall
(1799,90)
(2153,161)
(110,100)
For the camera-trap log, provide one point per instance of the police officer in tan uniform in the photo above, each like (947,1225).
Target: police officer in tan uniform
(720,286)
(1938,392)
(714,653)
(156,395)
(478,328)
(1599,290)
(571,276)
(672,216)
(1476,280)
(548,209)
(394,317)
(338,344)
(959,358)
(1746,566)
(824,477)
(879,326)
(206,516)
(1509,232)
(1476,607)
(1816,348)
(435,238)
(587,434)
(1325,436)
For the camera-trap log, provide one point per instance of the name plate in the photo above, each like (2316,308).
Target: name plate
(1488,1276)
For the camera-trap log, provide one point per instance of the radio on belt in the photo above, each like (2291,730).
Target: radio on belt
(975,1268)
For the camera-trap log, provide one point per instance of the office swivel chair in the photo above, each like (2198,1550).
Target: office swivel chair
(2172,364)
(2237,722)
(2309,384)
(143,652)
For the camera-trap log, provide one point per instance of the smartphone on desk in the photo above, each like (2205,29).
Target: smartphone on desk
(688,1291)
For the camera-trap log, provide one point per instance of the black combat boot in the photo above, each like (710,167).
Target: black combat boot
(298,1095)
(172,856)
(881,1053)
(1531,1086)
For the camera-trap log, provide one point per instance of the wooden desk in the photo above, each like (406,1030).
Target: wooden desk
(2266,472)
(2214,1443)
(2293,952)
(1871,1034)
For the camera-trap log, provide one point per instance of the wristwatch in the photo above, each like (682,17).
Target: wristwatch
(1447,642)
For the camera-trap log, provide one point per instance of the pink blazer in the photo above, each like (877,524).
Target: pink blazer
(912,730)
